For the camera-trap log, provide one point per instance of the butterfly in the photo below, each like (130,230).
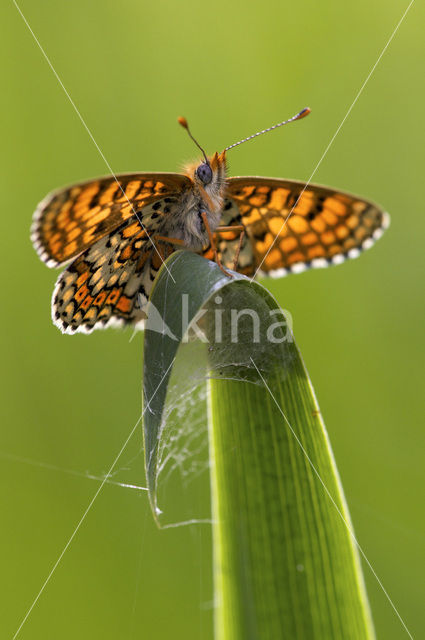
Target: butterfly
(114,233)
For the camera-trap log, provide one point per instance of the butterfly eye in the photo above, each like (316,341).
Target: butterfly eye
(204,173)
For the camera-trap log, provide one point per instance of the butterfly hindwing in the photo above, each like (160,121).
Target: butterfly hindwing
(293,226)
(110,282)
(69,220)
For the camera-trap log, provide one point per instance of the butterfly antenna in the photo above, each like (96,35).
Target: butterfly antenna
(302,114)
(183,122)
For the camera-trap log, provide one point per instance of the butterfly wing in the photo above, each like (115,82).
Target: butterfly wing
(293,226)
(110,282)
(69,220)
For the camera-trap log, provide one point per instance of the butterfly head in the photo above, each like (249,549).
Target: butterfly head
(204,173)
(211,171)
(209,178)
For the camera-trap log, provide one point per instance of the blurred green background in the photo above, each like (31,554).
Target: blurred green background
(231,68)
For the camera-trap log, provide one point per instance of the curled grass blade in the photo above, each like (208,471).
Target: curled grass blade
(285,562)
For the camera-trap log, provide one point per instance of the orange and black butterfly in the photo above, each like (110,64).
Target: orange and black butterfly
(113,233)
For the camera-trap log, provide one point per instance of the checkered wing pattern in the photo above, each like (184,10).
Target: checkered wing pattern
(69,220)
(293,226)
(110,282)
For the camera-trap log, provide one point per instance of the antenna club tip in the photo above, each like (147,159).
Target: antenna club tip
(303,113)
(183,122)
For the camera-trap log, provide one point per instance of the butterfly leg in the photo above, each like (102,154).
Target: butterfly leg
(241,230)
(212,244)
(238,250)
(170,240)
(167,243)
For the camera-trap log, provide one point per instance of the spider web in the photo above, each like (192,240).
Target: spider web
(220,346)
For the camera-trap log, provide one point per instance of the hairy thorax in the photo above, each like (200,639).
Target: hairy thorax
(186,223)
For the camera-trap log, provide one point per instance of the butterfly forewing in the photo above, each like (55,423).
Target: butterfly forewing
(293,226)
(69,220)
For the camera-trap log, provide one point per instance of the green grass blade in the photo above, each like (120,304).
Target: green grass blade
(285,564)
